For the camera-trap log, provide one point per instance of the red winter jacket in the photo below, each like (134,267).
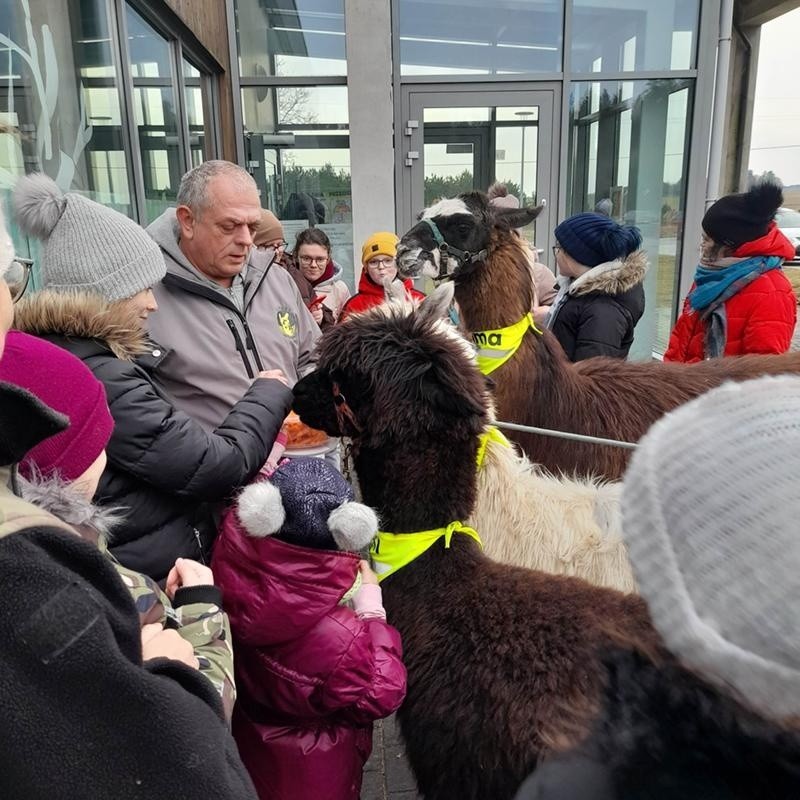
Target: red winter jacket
(311,676)
(370,294)
(761,317)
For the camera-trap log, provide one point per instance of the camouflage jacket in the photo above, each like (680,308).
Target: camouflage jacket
(195,613)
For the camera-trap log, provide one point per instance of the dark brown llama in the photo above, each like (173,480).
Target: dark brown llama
(493,651)
(538,386)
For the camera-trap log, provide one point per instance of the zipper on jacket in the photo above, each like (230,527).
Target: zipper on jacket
(200,555)
(240,347)
(251,343)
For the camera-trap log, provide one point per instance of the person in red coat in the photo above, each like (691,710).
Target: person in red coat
(315,660)
(379,265)
(741,302)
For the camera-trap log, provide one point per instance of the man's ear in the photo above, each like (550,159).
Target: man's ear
(185,217)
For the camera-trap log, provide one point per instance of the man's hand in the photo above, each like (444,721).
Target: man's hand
(160,643)
(187,573)
(274,374)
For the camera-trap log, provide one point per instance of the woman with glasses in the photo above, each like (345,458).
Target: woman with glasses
(600,297)
(312,253)
(378,259)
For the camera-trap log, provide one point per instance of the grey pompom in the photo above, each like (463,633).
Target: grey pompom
(353,526)
(38,204)
(261,510)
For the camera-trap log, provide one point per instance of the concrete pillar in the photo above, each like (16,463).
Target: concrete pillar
(369,100)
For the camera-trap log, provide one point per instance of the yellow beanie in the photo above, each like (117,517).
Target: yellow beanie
(383,243)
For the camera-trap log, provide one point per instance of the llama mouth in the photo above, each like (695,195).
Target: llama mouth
(411,260)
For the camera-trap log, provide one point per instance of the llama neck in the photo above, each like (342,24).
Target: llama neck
(498,292)
(419,486)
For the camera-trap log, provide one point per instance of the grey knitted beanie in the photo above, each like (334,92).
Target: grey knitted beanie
(86,246)
(710,510)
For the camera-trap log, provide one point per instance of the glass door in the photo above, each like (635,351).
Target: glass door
(458,139)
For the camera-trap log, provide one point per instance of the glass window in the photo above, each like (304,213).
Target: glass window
(304,37)
(155,114)
(632,150)
(608,36)
(60,100)
(298,149)
(473,37)
(196,99)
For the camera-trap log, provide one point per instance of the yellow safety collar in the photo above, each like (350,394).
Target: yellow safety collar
(496,347)
(393,551)
(492,434)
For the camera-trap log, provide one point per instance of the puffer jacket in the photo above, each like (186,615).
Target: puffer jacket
(761,319)
(163,469)
(370,294)
(311,676)
(596,313)
(664,734)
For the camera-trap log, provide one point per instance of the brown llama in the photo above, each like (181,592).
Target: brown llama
(473,242)
(493,652)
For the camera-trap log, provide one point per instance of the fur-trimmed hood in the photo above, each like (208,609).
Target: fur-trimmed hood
(82,315)
(54,495)
(613,277)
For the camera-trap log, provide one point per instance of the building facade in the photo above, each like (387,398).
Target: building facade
(354,114)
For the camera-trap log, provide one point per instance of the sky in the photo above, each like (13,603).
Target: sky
(775,142)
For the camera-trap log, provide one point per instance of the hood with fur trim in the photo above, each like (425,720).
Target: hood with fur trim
(82,315)
(613,277)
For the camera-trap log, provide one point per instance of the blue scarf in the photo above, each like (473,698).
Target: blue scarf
(711,283)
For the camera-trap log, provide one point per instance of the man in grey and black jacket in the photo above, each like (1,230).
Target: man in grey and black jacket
(225,315)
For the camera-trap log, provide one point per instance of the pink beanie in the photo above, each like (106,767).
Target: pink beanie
(66,384)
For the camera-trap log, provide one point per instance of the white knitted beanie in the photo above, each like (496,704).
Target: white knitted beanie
(711,517)
(86,246)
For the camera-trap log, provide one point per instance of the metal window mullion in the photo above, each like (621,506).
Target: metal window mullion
(236,86)
(130,133)
(292,80)
(184,145)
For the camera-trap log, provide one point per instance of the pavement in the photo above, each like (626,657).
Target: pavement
(387,775)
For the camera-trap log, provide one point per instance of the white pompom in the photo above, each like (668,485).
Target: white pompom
(260,509)
(38,204)
(353,526)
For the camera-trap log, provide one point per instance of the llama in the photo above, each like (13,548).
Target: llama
(472,242)
(492,650)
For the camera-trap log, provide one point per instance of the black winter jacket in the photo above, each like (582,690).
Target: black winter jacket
(599,310)
(664,734)
(164,469)
(82,715)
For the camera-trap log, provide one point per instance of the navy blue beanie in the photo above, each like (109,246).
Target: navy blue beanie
(593,239)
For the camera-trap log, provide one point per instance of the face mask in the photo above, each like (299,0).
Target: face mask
(261,259)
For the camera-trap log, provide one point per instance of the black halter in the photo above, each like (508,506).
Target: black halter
(464,257)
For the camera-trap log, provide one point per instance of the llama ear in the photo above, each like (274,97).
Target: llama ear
(437,304)
(394,291)
(517,217)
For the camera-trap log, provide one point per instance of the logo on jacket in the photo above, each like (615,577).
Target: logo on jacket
(287,322)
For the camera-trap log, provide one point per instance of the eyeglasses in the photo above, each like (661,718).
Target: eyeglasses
(381,263)
(556,249)
(267,245)
(307,261)
(18,276)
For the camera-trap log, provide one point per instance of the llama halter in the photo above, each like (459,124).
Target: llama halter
(391,552)
(498,346)
(464,257)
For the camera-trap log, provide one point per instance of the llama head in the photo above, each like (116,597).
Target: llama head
(453,235)
(395,375)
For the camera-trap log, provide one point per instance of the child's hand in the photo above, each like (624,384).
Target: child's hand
(367,574)
(160,643)
(187,573)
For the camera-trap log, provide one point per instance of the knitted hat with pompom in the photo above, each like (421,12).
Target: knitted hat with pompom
(86,246)
(308,503)
(710,508)
(593,239)
(743,217)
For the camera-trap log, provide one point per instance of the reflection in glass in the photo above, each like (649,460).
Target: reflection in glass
(298,149)
(199,138)
(473,37)
(632,150)
(304,37)
(155,114)
(642,35)
(59,100)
